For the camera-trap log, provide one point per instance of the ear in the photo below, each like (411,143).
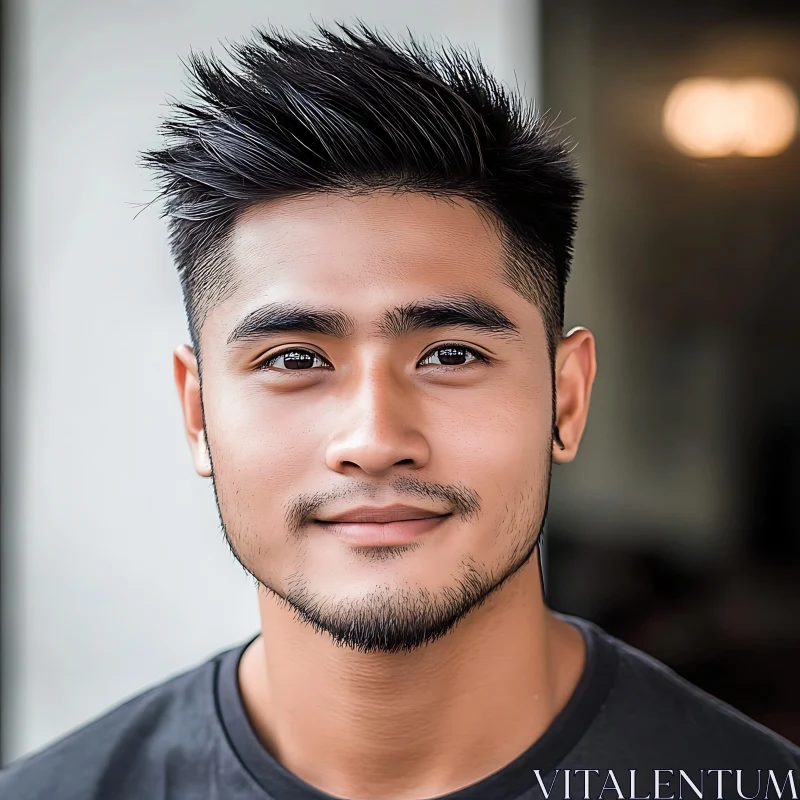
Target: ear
(575,369)
(187,381)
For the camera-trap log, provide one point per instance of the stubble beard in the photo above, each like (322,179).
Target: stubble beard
(397,619)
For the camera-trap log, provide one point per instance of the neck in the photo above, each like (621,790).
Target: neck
(417,724)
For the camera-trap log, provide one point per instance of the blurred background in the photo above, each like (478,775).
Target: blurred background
(677,528)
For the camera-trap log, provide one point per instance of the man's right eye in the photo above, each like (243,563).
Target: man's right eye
(294,360)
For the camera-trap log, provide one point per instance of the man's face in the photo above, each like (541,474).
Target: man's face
(388,407)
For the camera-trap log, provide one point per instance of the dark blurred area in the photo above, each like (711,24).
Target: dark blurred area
(678,527)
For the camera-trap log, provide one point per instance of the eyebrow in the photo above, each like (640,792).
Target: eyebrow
(462,311)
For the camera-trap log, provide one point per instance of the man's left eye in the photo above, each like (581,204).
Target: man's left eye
(453,355)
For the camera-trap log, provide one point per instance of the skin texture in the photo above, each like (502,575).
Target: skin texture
(407,672)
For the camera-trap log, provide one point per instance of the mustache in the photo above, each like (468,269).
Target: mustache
(461,500)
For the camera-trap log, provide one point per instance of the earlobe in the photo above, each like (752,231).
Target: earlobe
(202,456)
(557,446)
(187,382)
(575,371)
(559,454)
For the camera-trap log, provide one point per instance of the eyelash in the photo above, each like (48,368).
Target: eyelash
(479,357)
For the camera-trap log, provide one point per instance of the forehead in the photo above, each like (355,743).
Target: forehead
(332,243)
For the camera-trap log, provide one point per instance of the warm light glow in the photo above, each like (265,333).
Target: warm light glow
(711,118)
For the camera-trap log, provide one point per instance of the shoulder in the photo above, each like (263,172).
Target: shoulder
(659,712)
(110,755)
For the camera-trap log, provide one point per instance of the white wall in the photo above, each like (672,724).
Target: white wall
(115,574)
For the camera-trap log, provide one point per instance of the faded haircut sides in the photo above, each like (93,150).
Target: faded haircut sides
(352,111)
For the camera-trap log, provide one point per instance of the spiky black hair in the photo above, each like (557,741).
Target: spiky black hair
(354,111)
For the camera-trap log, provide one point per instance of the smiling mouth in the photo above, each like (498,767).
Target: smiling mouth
(383,534)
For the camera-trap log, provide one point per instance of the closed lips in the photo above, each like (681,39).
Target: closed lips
(381,515)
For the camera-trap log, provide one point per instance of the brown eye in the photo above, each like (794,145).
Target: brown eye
(453,355)
(293,361)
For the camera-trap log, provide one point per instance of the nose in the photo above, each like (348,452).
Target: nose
(379,428)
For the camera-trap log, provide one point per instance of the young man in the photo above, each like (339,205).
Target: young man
(373,242)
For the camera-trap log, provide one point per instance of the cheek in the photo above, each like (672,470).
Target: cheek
(507,467)
(501,439)
(497,451)
(261,458)
(261,451)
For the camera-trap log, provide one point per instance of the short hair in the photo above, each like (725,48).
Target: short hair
(351,112)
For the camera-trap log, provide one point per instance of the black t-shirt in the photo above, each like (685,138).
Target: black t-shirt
(190,738)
